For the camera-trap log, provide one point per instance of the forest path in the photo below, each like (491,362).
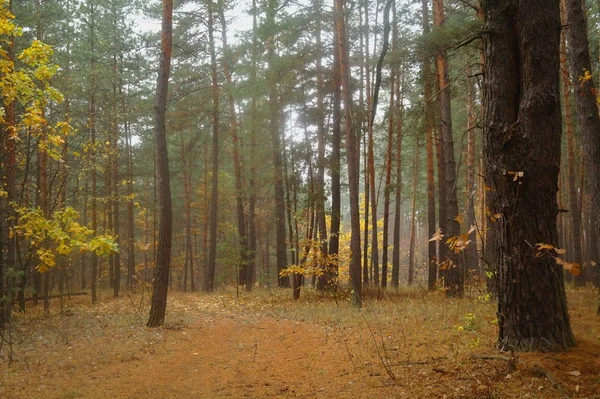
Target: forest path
(219,346)
(234,357)
(210,351)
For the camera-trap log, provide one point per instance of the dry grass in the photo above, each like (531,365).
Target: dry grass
(408,344)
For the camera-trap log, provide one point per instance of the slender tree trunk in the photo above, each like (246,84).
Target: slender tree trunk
(130,214)
(92,126)
(388,163)
(158,303)
(209,278)
(351,153)
(329,278)
(428,125)
(8,256)
(252,231)
(398,195)
(237,163)
(116,258)
(321,144)
(471,252)
(274,129)
(411,254)
(454,273)
(521,110)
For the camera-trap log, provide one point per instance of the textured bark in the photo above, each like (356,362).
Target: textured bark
(521,111)
(586,103)
(158,304)
(454,273)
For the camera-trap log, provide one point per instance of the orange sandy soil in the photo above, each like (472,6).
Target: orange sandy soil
(411,345)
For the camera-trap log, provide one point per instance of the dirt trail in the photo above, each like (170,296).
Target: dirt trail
(218,347)
(221,356)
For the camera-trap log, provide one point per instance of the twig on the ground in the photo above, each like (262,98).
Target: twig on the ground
(542,372)
(350,354)
(511,360)
(384,362)
(410,363)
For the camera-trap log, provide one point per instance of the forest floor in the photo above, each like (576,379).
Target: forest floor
(409,345)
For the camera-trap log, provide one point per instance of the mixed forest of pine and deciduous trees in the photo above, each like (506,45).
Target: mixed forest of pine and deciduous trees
(359,146)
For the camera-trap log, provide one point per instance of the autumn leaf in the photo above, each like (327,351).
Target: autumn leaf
(437,236)
(460,218)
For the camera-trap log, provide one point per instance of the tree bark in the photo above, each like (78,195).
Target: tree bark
(454,268)
(158,304)
(522,110)
(586,104)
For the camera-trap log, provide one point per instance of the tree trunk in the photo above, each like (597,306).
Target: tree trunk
(388,163)
(586,103)
(321,143)
(411,253)
(252,241)
(454,273)
(209,278)
(274,129)
(428,130)
(351,153)
(329,278)
(158,303)
(522,110)
(237,163)
(471,252)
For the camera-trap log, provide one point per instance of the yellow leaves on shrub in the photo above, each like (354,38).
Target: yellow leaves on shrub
(60,234)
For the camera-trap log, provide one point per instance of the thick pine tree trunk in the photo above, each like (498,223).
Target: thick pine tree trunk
(158,304)
(521,111)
